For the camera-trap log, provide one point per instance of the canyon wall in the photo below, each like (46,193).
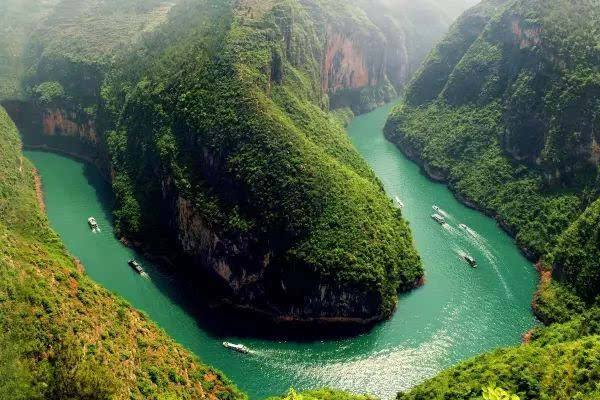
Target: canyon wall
(263,240)
(506,110)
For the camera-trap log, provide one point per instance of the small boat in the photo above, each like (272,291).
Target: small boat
(436,208)
(463,226)
(136,266)
(93,224)
(470,260)
(399,202)
(240,348)
(439,219)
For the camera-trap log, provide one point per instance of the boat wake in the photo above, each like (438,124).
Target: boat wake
(441,212)
(449,228)
(482,245)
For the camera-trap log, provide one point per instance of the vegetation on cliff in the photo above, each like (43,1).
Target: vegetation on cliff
(504,109)
(241,135)
(62,336)
(217,112)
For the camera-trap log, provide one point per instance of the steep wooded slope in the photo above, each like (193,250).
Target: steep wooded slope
(62,336)
(506,110)
(255,179)
(216,113)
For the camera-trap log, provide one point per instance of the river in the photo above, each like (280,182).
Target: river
(460,312)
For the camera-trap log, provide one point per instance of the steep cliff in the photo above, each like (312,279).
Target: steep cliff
(215,114)
(62,336)
(257,185)
(505,109)
(372,48)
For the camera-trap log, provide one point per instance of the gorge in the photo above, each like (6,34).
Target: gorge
(459,313)
(214,145)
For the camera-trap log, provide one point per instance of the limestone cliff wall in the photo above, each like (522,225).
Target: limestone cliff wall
(60,128)
(347,65)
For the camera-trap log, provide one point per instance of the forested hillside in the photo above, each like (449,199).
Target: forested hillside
(18,18)
(61,335)
(505,110)
(182,104)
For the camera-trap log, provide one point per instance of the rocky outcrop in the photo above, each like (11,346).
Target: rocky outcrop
(346,65)
(247,274)
(58,122)
(526,36)
(60,128)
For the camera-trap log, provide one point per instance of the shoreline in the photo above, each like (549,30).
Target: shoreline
(283,324)
(75,156)
(544,276)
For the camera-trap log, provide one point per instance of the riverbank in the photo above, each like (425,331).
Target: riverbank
(460,313)
(439,177)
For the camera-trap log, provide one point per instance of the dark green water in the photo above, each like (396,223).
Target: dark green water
(460,312)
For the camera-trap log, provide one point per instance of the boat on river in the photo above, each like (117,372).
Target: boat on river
(439,219)
(136,266)
(240,348)
(470,260)
(93,224)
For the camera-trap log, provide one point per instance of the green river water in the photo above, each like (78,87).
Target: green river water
(459,313)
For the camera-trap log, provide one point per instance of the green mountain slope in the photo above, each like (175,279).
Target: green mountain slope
(265,168)
(63,336)
(505,110)
(217,114)
(18,18)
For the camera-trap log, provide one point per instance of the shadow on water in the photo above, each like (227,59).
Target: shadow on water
(101,187)
(459,313)
(196,294)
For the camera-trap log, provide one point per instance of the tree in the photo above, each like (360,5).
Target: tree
(494,393)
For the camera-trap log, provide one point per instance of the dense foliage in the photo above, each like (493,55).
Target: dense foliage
(254,152)
(504,109)
(17,19)
(64,337)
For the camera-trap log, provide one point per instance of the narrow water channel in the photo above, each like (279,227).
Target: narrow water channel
(459,313)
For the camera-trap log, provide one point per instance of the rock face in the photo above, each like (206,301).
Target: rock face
(56,121)
(190,154)
(345,66)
